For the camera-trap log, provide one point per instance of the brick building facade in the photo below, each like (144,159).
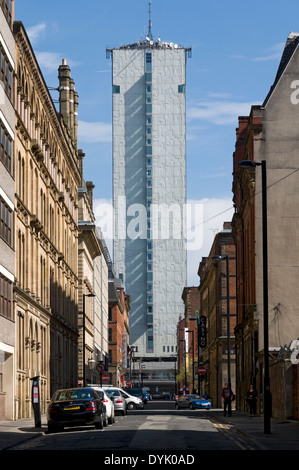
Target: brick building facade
(215,300)
(118,332)
(191,299)
(270,135)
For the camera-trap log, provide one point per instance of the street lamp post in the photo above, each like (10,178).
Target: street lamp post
(219,258)
(83,359)
(191,331)
(91,367)
(175,387)
(267,395)
(132,349)
(184,341)
(174,358)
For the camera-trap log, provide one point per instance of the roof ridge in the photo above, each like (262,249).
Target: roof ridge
(289,49)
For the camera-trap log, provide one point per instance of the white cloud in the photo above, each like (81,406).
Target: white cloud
(214,212)
(212,94)
(219,112)
(272,53)
(34,32)
(91,132)
(103,212)
(49,61)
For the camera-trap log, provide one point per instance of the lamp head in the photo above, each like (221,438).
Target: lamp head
(219,257)
(247,164)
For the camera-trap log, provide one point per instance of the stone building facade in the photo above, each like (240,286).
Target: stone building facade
(100,324)
(52,255)
(7,208)
(91,284)
(46,236)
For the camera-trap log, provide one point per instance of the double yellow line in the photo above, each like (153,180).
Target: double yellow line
(238,441)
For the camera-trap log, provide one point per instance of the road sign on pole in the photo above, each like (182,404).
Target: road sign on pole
(100,367)
(202,370)
(106,378)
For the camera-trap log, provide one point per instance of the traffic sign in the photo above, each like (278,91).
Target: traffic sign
(106,377)
(129,383)
(100,367)
(202,370)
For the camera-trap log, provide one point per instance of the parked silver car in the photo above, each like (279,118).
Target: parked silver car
(118,400)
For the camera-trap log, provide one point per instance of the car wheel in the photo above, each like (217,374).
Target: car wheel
(100,424)
(111,419)
(190,406)
(105,420)
(131,406)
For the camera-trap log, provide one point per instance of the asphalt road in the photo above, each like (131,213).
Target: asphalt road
(147,434)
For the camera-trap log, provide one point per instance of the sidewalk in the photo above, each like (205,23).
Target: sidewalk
(284,434)
(17,432)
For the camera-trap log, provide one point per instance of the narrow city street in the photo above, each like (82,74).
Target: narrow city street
(158,428)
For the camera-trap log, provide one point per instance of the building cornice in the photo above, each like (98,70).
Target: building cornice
(27,53)
(87,232)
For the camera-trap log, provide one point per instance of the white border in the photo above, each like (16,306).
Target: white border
(6,273)
(7,51)
(7,126)
(6,199)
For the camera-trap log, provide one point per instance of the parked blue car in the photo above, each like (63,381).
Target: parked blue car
(196,401)
(193,402)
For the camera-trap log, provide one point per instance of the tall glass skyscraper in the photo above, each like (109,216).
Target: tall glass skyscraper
(149,188)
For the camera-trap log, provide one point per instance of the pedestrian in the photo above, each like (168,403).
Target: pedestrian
(251,400)
(227,397)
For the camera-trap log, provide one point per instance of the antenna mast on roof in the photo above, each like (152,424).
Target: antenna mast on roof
(150,20)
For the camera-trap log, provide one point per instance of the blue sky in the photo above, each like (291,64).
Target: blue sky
(236,49)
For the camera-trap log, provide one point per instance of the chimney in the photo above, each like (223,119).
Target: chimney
(227,225)
(76,104)
(64,75)
(12,10)
(68,101)
(81,155)
(71,119)
(90,188)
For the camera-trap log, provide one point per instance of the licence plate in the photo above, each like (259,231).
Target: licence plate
(69,408)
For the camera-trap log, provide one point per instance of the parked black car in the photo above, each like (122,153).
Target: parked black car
(76,407)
